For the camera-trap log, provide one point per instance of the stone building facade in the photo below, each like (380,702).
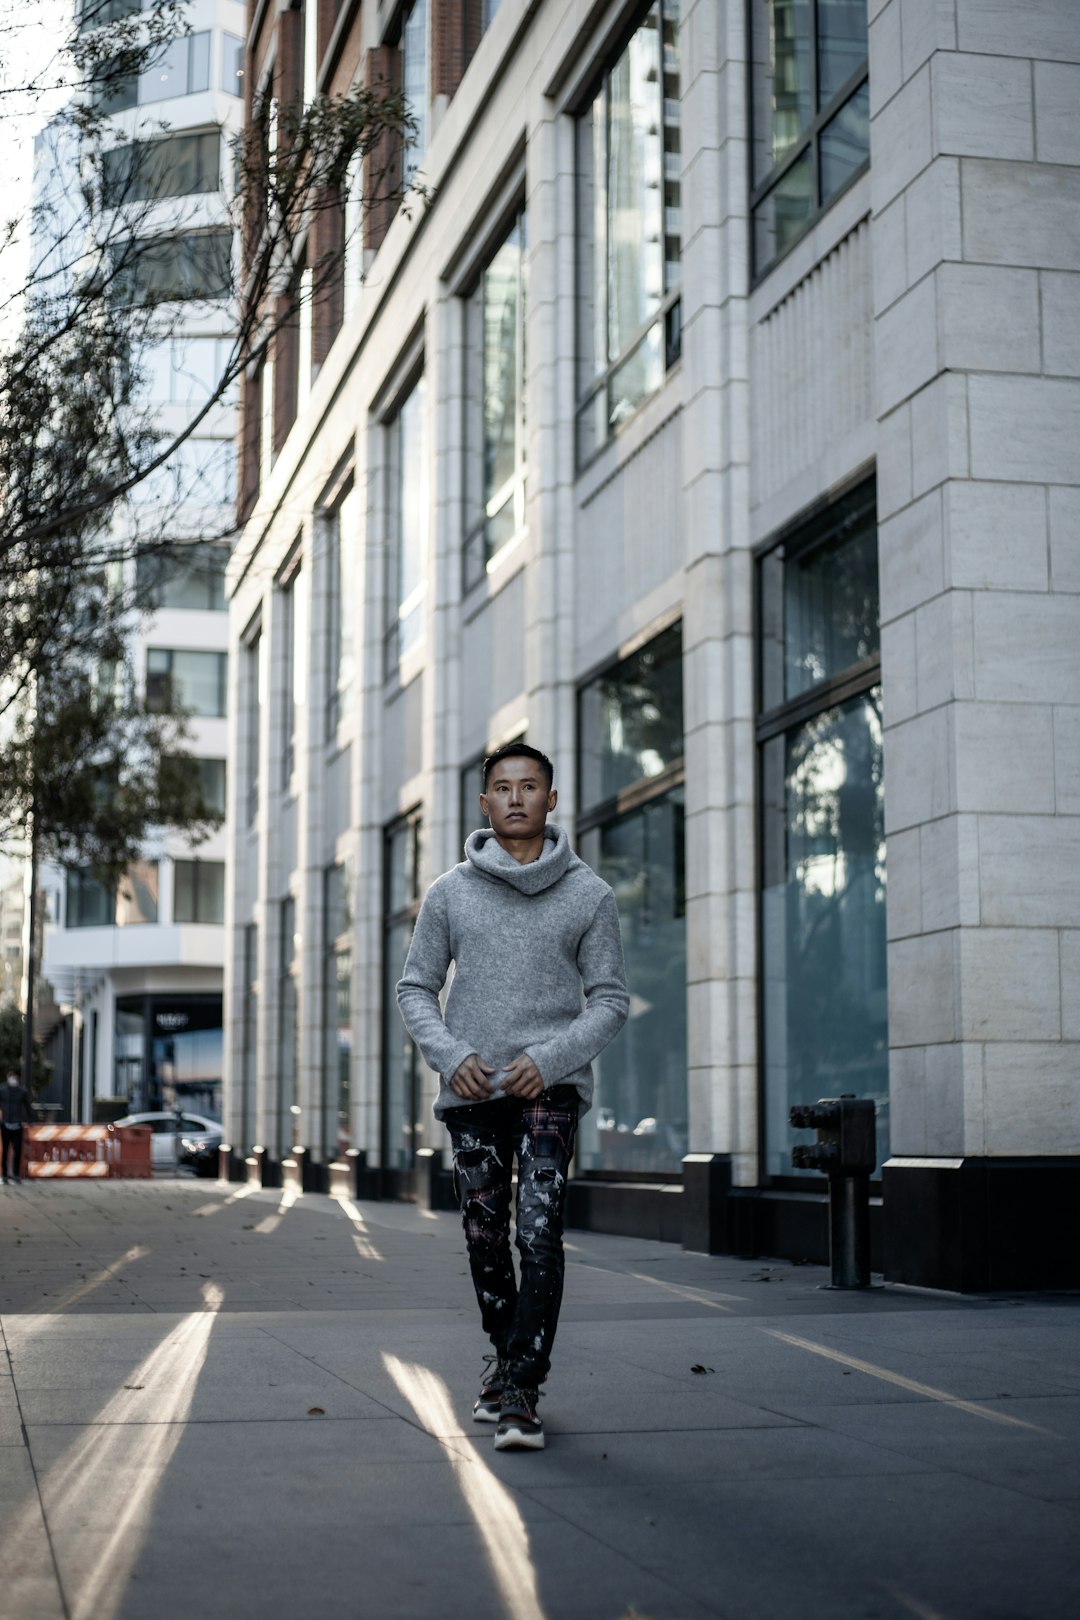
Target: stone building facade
(715,426)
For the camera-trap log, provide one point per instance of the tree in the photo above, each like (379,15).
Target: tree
(11,1046)
(87,770)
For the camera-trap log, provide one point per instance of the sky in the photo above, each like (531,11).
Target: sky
(30,32)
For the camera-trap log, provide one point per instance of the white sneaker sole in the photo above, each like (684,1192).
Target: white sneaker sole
(514,1439)
(480,1416)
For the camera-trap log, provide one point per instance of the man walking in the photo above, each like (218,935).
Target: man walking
(527,926)
(16,1112)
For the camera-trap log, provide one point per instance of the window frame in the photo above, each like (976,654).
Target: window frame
(221,712)
(810,138)
(667,315)
(801,534)
(196,864)
(412,823)
(514,488)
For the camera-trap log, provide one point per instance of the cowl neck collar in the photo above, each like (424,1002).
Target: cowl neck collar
(485,852)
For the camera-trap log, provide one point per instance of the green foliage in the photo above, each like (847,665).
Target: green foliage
(11,1039)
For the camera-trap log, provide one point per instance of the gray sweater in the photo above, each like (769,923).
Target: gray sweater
(524,941)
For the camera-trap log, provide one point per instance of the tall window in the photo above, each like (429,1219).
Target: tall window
(255,673)
(288,1026)
(630,730)
(402,1126)
(294,602)
(199,891)
(629,167)
(822,834)
(407,503)
(194,681)
(337,1009)
(495,403)
(232,64)
(250,1032)
(414,79)
(810,114)
(200,472)
(343,531)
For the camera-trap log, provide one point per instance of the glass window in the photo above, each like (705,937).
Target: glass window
(288,1028)
(630,736)
(414,80)
(810,113)
(255,678)
(402,1125)
(199,891)
(187,370)
(495,438)
(630,719)
(96,13)
(137,895)
(629,178)
(212,781)
(294,636)
(640,1118)
(177,166)
(89,903)
(343,533)
(819,599)
(158,268)
(232,64)
(191,579)
(250,1031)
(408,508)
(180,68)
(823,952)
(337,1020)
(194,681)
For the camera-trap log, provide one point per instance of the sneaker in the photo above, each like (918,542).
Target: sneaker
(520,1428)
(488,1403)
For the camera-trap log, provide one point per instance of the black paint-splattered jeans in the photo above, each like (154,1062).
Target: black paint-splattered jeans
(520,1319)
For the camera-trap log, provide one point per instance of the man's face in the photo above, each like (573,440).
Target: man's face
(517,799)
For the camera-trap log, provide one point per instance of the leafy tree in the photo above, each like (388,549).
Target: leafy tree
(11,1050)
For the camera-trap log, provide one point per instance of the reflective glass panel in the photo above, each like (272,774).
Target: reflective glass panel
(781,215)
(790,103)
(819,605)
(639,1121)
(414,80)
(635,173)
(823,919)
(845,142)
(630,719)
(137,895)
(412,517)
(232,64)
(339,1045)
(402,1128)
(502,383)
(842,44)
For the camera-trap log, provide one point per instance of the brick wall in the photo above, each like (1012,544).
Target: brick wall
(382,166)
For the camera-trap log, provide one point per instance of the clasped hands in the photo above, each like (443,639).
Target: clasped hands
(470,1079)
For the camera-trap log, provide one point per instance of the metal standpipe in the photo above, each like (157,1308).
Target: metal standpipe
(846,1151)
(849,1230)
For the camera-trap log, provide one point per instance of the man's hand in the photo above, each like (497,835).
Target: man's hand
(523,1078)
(470,1079)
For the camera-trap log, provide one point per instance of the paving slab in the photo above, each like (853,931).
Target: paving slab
(303,1440)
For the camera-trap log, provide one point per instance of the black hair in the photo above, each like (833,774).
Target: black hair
(519,750)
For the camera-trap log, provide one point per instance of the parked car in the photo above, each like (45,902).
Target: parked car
(201,1153)
(172,1133)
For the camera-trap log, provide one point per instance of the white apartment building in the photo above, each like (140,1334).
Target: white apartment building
(141,969)
(716,427)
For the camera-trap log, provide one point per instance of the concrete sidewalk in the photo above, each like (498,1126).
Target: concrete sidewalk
(224,1405)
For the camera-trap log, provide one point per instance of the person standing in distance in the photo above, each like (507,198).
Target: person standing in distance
(528,927)
(16,1111)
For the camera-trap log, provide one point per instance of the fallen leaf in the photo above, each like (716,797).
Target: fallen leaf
(134,1386)
(316,1411)
(698,1368)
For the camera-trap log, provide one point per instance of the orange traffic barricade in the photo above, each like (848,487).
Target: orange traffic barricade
(101,1151)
